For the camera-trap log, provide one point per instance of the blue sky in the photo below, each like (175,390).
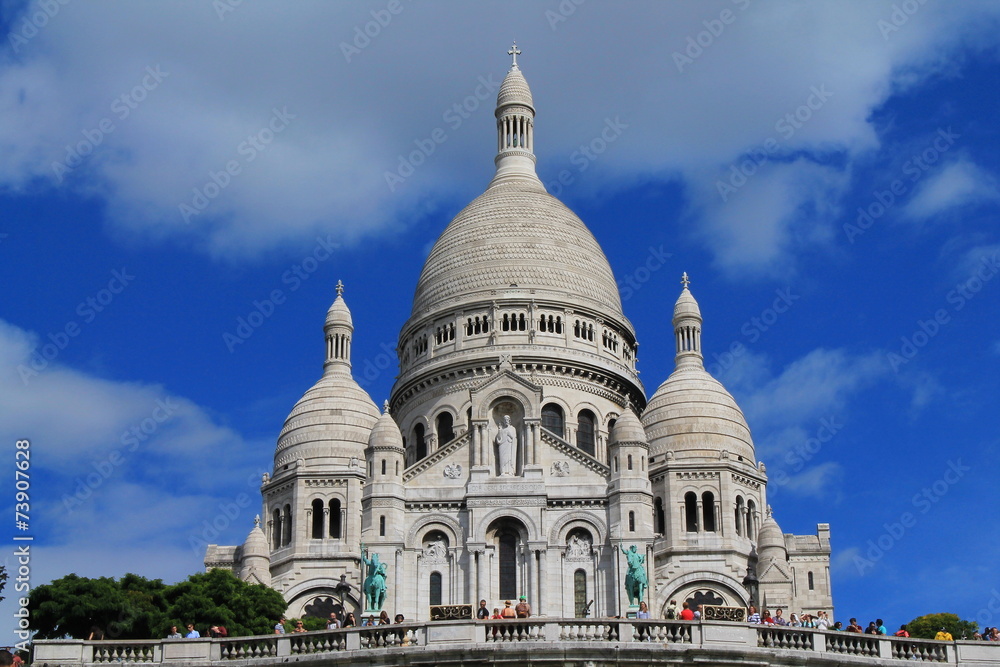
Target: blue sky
(826,173)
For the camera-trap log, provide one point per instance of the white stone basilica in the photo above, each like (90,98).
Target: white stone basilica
(517,317)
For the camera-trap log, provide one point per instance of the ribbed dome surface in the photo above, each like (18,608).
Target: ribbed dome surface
(327,422)
(692,415)
(514,90)
(339,313)
(686,306)
(515,233)
(256,544)
(769,536)
(627,428)
(386,433)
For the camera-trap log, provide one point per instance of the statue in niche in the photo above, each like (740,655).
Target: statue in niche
(506,442)
(578,548)
(436,550)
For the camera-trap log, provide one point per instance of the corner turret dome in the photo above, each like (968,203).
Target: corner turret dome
(386,432)
(627,428)
(691,414)
(256,542)
(330,424)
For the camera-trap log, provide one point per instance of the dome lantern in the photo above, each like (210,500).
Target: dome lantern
(515,114)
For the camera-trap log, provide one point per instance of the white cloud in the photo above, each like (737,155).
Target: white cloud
(958,184)
(353,120)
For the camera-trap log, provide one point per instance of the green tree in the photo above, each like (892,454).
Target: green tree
(925,627)
(138,608)
(217,597)
(72,605)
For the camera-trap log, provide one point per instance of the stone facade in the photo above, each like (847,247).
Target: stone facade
(517,319)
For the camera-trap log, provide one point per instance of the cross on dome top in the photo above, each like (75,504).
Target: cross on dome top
(340,288)
(514,52)
(685,280)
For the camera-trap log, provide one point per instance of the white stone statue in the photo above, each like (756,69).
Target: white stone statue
(436,551)
(579,548)
(506,442)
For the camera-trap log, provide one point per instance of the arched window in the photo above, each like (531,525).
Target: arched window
(445,428)
(276,529)
(381,526)
(708,511)
(631,522)
(691,511)
(579,593)
(812,583)
(585,431)
(286,526)
(751,515)
(658,516)
(335,519)
(508,564)
(553,419)
(435,588)
(317,519)
(739,515)
(419,443)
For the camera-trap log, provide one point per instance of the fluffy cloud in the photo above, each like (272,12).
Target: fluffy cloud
(957,184)
(173,105)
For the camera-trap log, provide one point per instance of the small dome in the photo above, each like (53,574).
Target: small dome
(329,425)
(256,543)
(627,428)
(339,314)
(686,306)
(692,415)
(386,433)
(770,536)
(514,90)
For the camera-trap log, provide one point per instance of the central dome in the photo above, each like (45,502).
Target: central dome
(517,234)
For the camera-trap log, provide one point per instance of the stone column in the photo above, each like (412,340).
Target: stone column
(542,580)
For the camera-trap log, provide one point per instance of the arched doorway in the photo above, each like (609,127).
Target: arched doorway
(508,537)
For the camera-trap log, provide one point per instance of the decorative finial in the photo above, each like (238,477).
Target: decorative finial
(770,512)
(685,280)
(385,408)
(256,521)
(514,52)
(340,288)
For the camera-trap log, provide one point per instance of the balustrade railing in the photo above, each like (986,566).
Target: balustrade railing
(539,633)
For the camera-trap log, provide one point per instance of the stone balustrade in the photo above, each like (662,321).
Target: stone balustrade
(542,640)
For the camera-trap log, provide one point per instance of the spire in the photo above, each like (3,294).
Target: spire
(687,328)
(338,330)
(515,114)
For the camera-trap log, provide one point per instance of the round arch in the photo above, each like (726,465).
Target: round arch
(731,590)
(484,524)
(561,528)
(450,527)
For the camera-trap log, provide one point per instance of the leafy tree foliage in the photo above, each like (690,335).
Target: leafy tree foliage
(925,627)
(3,579)
(138,608)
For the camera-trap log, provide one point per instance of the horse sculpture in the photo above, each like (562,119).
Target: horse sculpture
(374,584)
(636,581)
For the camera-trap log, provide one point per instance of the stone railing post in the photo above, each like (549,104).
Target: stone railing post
(284,646)
(214,651)
(353,641)
(884,648)
(819,642)
(552,630)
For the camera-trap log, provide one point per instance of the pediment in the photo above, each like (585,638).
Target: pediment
(506,383)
